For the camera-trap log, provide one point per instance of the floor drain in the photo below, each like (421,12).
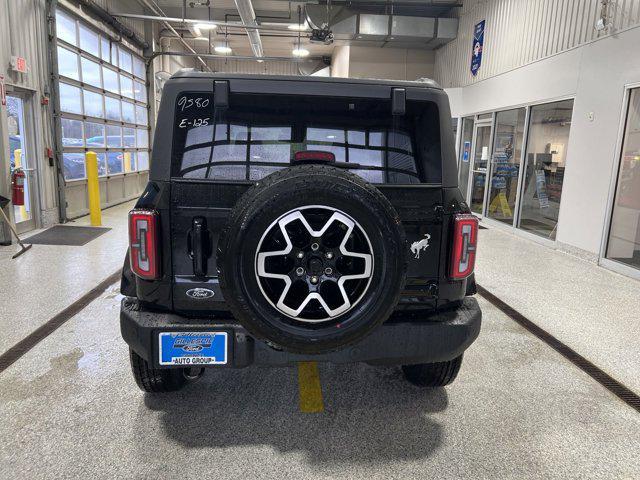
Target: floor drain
(618,389)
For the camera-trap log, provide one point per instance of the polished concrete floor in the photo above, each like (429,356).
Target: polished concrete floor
(41,282)
(591,309)
(70,409)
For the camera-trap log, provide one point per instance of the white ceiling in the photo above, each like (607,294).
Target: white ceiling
(267,5)
(274,43)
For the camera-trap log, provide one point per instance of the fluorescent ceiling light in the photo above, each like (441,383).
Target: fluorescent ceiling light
(298,27)
(300,52)
(223,49)
(206,26)
(195,31)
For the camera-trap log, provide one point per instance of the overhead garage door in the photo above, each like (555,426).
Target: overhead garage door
(103,103)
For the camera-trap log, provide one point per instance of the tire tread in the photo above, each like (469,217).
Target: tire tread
(437,374)
(153,380)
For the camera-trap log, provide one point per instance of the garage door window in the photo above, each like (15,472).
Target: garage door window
(103,101)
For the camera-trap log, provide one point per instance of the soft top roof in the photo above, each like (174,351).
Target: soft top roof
(422,83)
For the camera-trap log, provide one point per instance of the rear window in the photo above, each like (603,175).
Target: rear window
(260,134)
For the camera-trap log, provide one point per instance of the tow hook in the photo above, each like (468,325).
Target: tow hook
(191,376)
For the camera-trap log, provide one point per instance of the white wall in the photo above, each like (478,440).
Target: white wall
(595,74)
(393,63)
(375,62)
(605,68)
(340,61)
(549,79)
(518,32)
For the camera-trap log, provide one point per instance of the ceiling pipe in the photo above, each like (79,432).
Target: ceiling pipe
(189,21)
(248,17)
(164,33)
(397,3)
(153,6)
(234,57)
(194,31)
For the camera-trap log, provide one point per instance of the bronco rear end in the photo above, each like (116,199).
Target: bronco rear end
(290,219)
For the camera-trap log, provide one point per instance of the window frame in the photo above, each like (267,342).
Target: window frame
(614,265)
(513,228)
(524,165)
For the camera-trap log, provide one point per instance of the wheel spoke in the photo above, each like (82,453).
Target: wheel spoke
(347,302)
(262,256)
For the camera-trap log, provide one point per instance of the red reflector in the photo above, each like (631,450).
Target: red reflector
(143,243)
(465,240)
(313,155)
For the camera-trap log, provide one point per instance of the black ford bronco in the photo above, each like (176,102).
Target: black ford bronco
(292,219)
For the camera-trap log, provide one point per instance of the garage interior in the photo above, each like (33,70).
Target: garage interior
(545,113)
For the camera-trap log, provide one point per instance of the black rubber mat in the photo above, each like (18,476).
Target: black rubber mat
(66,235)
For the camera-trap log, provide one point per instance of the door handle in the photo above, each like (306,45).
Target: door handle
(198,246)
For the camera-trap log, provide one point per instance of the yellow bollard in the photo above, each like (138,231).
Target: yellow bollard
(17,156)
(91,164)
(127,162)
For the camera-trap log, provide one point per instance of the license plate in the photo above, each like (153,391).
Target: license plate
(193,348)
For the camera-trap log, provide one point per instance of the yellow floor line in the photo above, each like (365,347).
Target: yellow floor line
(309,388)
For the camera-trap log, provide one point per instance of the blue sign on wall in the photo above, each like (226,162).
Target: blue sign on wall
(478,46)
(466,150)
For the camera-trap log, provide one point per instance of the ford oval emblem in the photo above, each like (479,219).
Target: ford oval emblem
(200,293)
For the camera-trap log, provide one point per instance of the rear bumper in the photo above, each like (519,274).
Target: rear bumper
(442,336)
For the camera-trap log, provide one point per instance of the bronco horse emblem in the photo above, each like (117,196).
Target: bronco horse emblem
(417,247)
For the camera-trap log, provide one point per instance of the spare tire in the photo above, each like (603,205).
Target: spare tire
(313,259)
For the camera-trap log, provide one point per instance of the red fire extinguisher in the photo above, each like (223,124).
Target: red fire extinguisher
(17,186)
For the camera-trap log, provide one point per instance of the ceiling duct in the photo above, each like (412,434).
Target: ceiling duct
(447,30)
(248,17)
(408,28)
(373,27)
(383,30)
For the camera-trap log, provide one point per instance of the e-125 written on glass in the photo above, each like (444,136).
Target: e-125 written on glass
(193,110)
(196,122)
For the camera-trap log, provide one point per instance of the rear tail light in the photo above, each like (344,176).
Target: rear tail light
(465,239)
(143,243)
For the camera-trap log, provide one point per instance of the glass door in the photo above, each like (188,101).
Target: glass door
(545,159)
(505,165)
(21,157)
(480,162)
(624,234)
